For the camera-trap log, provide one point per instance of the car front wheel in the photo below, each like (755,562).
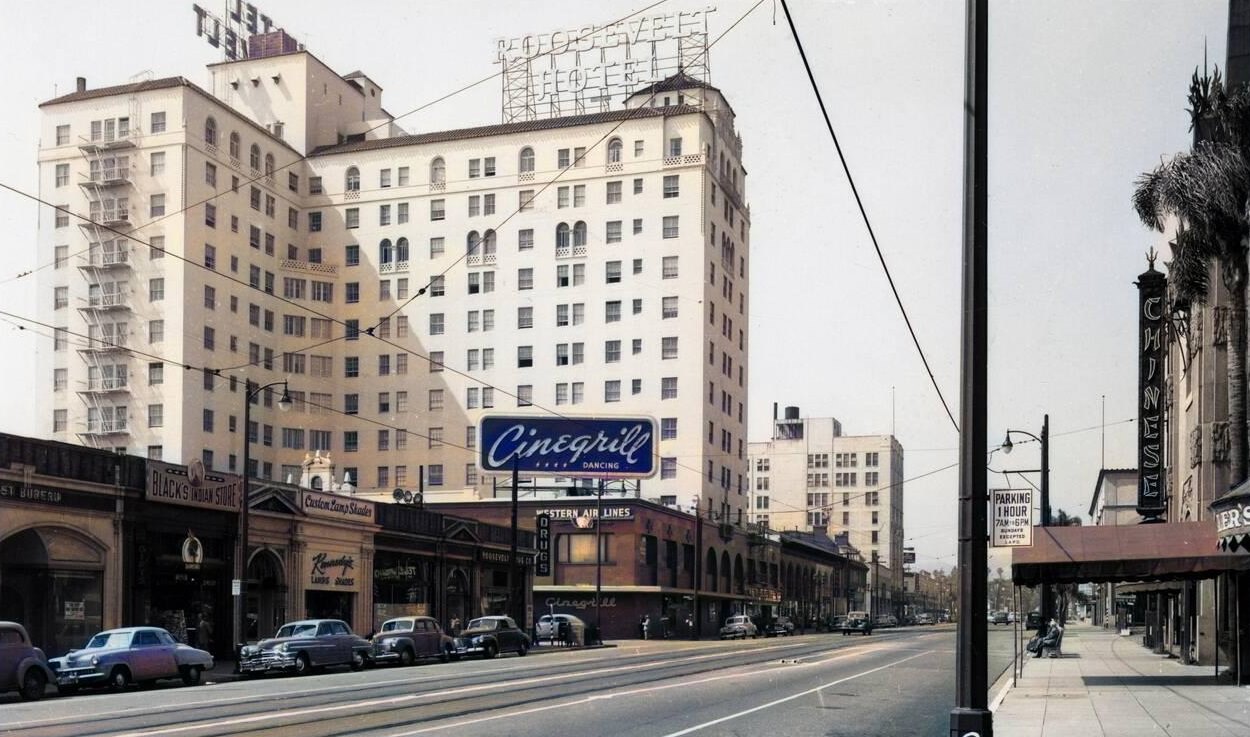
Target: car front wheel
(191,675)
(358,660)
(490,650)
(119,678)
(406,658)
(523,649)
(302,666)
(33,684)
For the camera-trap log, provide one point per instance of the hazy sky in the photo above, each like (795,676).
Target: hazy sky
(1084,96)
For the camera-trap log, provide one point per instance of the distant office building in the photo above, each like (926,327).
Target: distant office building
(810,475)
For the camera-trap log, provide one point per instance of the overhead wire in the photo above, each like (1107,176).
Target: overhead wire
(864,214)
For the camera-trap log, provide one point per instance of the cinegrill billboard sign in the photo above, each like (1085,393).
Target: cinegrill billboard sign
(585,447)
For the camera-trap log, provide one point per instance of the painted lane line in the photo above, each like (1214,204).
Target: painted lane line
(390,701)
(792,697)
(566,704)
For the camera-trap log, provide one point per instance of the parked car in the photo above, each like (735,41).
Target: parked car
(489,636)
(548,626)
(1033,621)
(304,645)
(779,627)
(405,640)
(836,622)
(739,626)
(857,622)
(120,657)
(887,620)
(924,618)
(23,667)
(1000,618)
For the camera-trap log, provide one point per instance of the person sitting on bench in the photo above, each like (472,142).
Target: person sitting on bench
(1051,643)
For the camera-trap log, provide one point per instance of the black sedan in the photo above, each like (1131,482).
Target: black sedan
(779,627)
(489,636)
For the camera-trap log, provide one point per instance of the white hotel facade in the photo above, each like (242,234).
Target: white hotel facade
(305,214)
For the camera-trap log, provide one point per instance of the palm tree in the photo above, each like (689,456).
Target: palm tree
(1207,191)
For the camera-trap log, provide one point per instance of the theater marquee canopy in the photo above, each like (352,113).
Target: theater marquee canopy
(1107,554)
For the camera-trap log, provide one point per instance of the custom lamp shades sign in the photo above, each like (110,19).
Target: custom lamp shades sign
(576,447)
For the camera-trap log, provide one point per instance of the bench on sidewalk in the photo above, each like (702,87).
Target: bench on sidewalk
(1054,650)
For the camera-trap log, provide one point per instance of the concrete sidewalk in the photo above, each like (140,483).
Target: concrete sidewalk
(1110,685)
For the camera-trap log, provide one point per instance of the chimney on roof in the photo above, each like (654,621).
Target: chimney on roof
(82,84)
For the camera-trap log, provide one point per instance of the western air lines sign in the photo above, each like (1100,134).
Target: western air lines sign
(585,447)
(194,486)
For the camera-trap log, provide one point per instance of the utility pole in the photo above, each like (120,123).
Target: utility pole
(1048,592)
(971,716)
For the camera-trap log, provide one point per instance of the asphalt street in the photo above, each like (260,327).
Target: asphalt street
(895,682)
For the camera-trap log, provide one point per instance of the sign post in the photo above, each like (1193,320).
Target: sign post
(1012,518)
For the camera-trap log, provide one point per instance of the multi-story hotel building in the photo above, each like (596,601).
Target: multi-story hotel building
(810,476)
(281,225)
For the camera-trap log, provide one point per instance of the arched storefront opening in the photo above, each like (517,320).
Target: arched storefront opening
(52,581)
(266,594)
(711,570)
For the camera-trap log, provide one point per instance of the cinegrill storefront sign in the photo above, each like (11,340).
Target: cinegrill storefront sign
(587,447)
(1152,343)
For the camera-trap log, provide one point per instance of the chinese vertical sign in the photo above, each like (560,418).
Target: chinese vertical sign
(1152,347)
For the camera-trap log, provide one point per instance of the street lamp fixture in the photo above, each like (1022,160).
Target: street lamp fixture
(1048,603)
(240,552)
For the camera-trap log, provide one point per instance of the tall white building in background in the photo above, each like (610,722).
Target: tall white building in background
(810,476)
(619,289)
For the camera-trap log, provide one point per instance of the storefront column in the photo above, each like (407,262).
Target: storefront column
(295,584)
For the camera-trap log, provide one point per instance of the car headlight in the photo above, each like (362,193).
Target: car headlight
(95,660)
(281,648)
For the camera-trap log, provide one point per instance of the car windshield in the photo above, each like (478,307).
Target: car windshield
(397,625)
(484,624)
(110,640)
(297,630)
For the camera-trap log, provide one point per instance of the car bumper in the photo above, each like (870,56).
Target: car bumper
(79,676)
(266,661)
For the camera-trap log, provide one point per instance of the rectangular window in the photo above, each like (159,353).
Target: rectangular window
(579,195)
(638,186)
(668,347)
(671,227)
(488,204)
(62,135)
(384,178)
(403,176)
(525,279)
(525,200)
(525,356)
(62,174)
(562,197)
(613,232)
(352,217)
(436,247)
(614,193)
(669,309)
(436,323)
(314,222)
(525,239)
(525,317)
(611,351)
(579,392)
(384,214)
(157,161)
(668,428)
(674,147)
(669,267)
(612,391)
(157,206)
(613,272)
(438,209)
(638,148)
(668,387)
(671,186)
(562,158)
(612,311)
(475,205)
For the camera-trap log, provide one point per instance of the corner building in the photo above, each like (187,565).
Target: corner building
(385,275)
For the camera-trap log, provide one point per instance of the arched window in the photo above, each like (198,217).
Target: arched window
(401,250)
(352,183)
(234,144)
(488,243)
(210,132)
(710,570)
(615,150)
(526,163)
(562,235)
(253,158)
(579,233)
(385,252)
(269,165)
(471,242)
(316,483)
(438,171)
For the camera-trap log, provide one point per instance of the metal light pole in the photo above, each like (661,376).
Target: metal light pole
(598,562)
(240,549)
(971,716)
(1048,594)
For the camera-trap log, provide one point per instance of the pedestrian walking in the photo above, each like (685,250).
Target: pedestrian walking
(646,627)
(203,633)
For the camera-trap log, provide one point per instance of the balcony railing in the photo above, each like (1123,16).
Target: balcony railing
(107,427)
(391,267)
(351,194)
(104,345)
(309,267)
(683,160)
(106,259)
(112,176)
(108,301)
(108,385)
(110,141)
(525,176)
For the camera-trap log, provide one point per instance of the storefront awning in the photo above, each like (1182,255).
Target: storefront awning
(1232,520)
(1154,552)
